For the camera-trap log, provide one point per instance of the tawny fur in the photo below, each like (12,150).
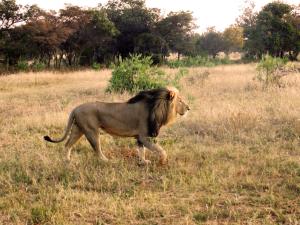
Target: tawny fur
(141,117)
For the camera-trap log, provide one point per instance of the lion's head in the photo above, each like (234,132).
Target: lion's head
(164,105)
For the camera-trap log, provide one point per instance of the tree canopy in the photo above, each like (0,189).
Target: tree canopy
(273,30)
(211,42)
(76,36)
(81,36)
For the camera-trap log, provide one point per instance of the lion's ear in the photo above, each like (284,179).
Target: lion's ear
(172,95)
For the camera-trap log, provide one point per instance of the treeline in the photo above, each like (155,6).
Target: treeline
(76,36)
(275,30)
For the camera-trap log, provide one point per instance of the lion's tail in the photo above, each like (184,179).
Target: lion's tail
(67,130)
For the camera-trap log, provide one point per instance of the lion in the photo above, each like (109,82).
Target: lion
(141,117)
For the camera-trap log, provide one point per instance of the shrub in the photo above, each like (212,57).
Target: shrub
(22,65)
(175,81)
(38,66)
(270,70)
(136,73)
(96,66)
(198,61)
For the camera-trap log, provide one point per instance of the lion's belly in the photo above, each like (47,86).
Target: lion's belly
(120,132)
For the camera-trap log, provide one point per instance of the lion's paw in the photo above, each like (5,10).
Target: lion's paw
(147,162)
(104,159)
(144,162)
(163,161)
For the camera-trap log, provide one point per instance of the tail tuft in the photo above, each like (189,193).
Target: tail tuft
(47,138)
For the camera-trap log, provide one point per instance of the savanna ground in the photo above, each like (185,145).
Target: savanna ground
(234,160)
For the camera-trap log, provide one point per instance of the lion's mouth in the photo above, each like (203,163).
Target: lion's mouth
(184,114)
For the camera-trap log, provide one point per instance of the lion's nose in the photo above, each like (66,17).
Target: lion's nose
(188,108)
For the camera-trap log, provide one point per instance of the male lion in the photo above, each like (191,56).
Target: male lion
(141,117)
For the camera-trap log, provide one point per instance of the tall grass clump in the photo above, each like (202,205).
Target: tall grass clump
(22,65)
(198,61)
(96,66)
(270,70)
(38,66)
(137,73)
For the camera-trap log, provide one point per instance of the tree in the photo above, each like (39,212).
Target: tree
(152,45)
(211,42)
(248,17)
(234,38)
(47,33)
(77,36)
(91,33)
(295,44)
(16,45)
(76,19)
(132,18)
(176,29)
(273,31)
(12,14)
(12,37)
(98,35)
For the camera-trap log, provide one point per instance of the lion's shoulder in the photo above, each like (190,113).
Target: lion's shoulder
(158,103)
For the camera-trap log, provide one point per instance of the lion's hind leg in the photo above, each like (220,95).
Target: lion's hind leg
(73,138)
(94,139)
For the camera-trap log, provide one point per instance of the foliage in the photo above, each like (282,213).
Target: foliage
(76,36)
(234,38)
(12,14)
(211,42)
(136,73)
(270,71)
(273,30)
(22,65)
(131,18)
(176,80)
(91,33)
(176,29)
(38,66)
(198,61)
(96,66)
(152,45)
(190,46)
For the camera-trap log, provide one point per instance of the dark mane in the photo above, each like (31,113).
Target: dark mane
(149,95)
(158,102)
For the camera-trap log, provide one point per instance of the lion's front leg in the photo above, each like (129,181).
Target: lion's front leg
(154,147)
(141,153)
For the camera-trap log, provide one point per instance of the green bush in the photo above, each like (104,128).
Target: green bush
(175,81)
(136,73)
(38,66)
(198,61)
(270,71)
(22,65)
(96,66)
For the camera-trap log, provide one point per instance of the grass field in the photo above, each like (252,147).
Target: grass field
(234,160)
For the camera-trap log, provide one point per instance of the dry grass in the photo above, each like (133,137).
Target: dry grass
(234,160)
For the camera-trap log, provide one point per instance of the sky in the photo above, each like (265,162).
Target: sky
(204,11)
